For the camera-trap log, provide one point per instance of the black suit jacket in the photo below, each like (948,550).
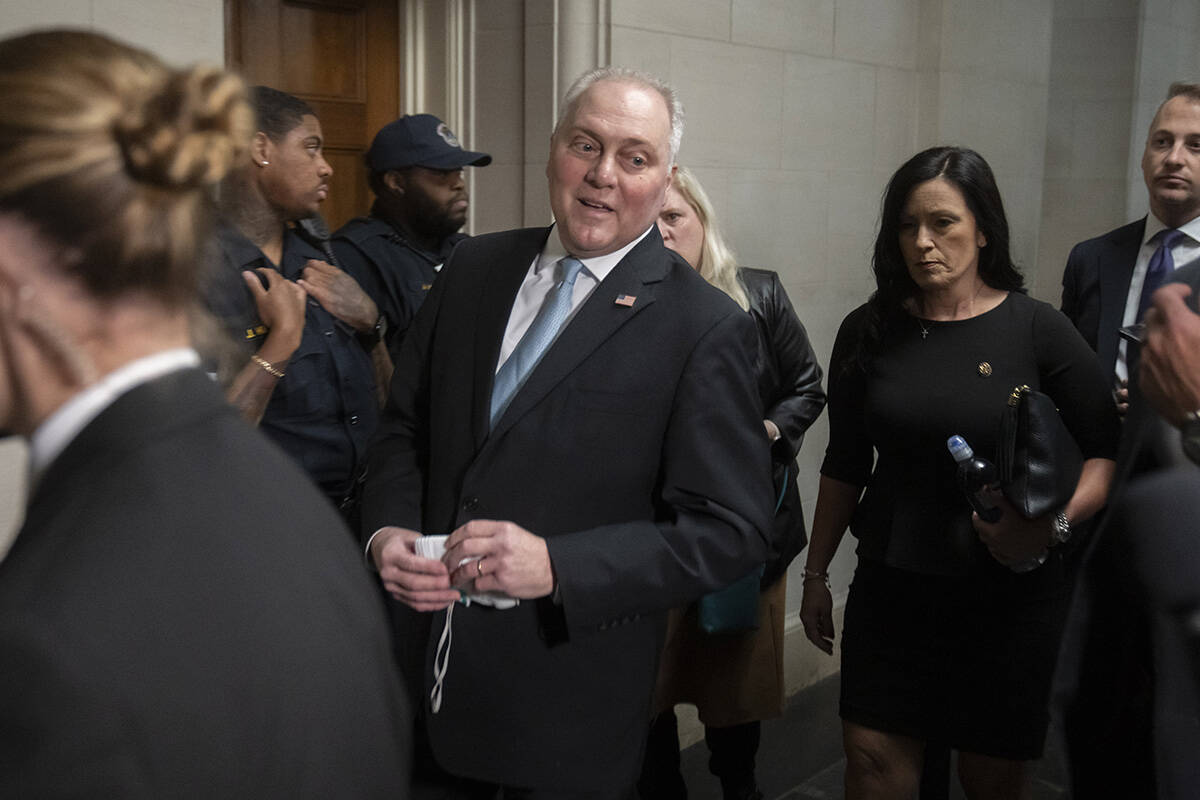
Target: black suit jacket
(1110,642)
(636,447)
(182,615)
(1096,287)
(1155,532)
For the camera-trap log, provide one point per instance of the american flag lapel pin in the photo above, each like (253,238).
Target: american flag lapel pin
(626,300)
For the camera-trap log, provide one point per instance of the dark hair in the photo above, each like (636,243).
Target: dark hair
(111,156)
(375,181)
(277,113)
(894,286)
(375,178)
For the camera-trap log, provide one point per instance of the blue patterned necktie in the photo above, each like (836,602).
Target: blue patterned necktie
(1162,264)
(541,334)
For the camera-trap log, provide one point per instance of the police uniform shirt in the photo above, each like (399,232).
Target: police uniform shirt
(396,273)
(323,412)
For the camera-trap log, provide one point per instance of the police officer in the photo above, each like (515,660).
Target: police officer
(416,173)
(306,329)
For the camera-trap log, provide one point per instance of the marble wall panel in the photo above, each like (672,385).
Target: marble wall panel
(798,26)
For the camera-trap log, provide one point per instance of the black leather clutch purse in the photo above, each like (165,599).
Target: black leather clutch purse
(1038,461)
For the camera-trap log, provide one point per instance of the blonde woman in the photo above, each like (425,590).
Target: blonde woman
(736,679)
(179,606)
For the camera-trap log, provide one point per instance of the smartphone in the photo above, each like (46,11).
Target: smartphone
(1135,333)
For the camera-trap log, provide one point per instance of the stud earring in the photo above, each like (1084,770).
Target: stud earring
(263,164)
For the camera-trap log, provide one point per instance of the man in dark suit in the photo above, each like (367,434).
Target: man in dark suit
(1109,279)
(625,473)
(1126,638)
(1155,534)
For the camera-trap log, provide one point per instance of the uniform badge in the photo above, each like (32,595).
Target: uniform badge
(447,135)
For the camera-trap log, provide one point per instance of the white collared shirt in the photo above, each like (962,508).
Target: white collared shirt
(1185,251)
(61,427)
(540,279)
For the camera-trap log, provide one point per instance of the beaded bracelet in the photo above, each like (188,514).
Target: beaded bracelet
(266,365)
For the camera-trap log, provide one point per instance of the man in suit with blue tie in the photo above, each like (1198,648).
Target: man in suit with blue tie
(1113,641)
(1109,279)
(576,408)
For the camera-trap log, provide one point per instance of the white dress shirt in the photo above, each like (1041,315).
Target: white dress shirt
(1185,251)
(540,279)
(61,427)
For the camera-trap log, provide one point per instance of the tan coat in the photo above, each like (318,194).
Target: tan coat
(730,678)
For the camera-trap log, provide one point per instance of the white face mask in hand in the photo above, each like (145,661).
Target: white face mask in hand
(435,547)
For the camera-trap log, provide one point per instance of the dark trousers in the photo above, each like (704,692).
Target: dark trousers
(731,759)
(431,782)
(452,788)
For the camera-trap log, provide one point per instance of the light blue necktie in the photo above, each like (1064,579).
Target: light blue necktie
(1161,265)
(541,334)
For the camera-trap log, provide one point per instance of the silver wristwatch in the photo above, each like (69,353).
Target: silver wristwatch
(1060,530)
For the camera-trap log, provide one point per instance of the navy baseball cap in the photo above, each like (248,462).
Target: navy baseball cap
(420,140)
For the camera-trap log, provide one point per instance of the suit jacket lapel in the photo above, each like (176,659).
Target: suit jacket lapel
(595,322)
(498,292)
(1116,269)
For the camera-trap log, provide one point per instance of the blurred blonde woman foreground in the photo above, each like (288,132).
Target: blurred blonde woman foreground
(178,611)
(736,679)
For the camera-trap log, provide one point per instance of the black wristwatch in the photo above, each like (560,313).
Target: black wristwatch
(1189,436)
(375,335)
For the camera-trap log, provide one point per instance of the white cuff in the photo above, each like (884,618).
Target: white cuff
(367,550)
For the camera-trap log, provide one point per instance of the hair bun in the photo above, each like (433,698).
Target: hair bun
(187,132)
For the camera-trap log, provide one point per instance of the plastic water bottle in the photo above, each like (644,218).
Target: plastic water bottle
(974,475)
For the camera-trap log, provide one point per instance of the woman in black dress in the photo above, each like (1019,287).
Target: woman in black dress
(944,639)
(736,679)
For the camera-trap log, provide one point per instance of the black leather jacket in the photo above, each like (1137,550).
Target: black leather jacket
(789,384)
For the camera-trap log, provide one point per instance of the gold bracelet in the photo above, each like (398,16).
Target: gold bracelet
(266,365)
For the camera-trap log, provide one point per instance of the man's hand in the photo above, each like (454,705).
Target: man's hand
(281,308)
(422,583)
(340,295)
(511,560)
(1170,363)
